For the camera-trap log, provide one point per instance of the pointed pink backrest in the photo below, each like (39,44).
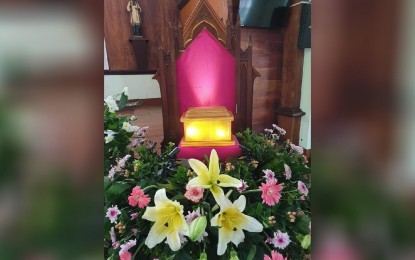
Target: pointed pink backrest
(206,74)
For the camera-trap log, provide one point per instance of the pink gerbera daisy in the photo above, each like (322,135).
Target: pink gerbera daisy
(268,174)
(281,240)
(287,171)
(138,198)
(194,194)
(302,188)
(271,192)
(274,256)
(112,213)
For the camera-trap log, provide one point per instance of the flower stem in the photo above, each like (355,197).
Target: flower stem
(149,187)
(138,249)
(250,191)
(289,191)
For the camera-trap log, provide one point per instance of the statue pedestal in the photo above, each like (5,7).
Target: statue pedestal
(140,49)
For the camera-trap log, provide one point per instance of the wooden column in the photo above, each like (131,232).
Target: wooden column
(289,112)
(140,49)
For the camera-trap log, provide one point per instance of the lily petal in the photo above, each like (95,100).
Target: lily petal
(251,224)
(199,167)
(214,165)
(150,214)
(223,202)
(156,235)
(228,181)
(160,197)
(173,240)
(225,236)
(199,182)
(214,220)
(217,193)
(240,203)
(238,237)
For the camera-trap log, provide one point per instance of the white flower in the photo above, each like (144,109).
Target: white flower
(112,213)
(281,240)
(231,221)
(125,91)
(129,128)
(111,103)
(287,171)
(110,135)
(169,221)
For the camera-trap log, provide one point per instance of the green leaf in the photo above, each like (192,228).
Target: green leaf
(306,241)
(123,101)
(251,254)
(117,188)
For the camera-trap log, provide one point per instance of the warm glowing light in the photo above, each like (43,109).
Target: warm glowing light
(207,126)
(192,131)
(220,133)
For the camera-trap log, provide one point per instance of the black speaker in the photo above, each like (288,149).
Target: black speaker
(304,34)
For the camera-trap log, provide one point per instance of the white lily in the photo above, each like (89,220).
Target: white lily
(169,221)
(210,178)
(231,221)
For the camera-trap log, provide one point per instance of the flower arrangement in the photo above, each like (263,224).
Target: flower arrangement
(256,206)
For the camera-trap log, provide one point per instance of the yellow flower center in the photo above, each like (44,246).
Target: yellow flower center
(231,219)
(170,218)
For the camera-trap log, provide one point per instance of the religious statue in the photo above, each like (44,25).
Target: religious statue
(135,10)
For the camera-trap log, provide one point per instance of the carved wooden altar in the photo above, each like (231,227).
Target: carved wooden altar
(195,15)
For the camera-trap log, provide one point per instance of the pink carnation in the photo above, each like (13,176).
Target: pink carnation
(194,194)
(302,188)
(271,192)
(138,198)
(274,256)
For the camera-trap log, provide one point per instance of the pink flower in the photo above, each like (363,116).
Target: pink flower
(268,174)
(134,230)
(138,198)
(112,213)
(125,256)
(112,235)
(134,216)
(296,148)
(125,247)
(287,171)
(281,240)
(271,192)
(121,162)
(243,187)
(111,174)
(194,194)
(192,216)
(268,130)
(274,256)
(279,129)
(268,240)
(302,188)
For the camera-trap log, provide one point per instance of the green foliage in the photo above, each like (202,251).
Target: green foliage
(152,170)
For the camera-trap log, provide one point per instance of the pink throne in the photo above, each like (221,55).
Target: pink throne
(206,77)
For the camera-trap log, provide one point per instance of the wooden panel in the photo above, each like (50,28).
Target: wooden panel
(117,32)
(267,59)
(156,16)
